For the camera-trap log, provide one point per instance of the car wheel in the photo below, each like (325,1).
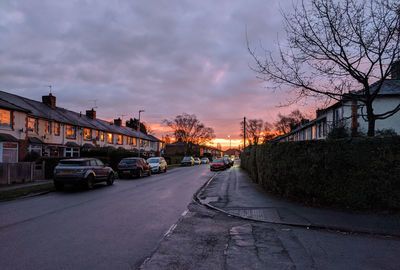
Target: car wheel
(89,181)
(165,169)
(140,173)
(110,179)
(58,186)
(149,173)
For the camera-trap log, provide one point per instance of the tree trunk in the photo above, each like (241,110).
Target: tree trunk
(371,120)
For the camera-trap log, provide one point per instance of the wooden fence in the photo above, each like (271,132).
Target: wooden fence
(21,172)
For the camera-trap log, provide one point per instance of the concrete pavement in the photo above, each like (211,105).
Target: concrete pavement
(252,230)
(232,192)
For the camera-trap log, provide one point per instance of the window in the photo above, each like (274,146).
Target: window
(32,125)
(5,118)
(128,140)
(99,163)
(87,134)
(70,132)
(134,142)
(97,135)
(120,139)
(102,136)
(47,127)
(93,162)
(71,152)
(57,129)
(109,138)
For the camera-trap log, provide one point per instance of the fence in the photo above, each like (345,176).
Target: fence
(21,172)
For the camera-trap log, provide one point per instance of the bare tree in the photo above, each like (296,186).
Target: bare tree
(335,48)
(253,130)
(167,139)
(268,132)
(188,129)
(287,123)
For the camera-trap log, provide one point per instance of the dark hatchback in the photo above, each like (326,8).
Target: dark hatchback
(129,167)
(82,171)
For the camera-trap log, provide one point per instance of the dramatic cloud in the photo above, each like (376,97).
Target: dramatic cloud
(167,57)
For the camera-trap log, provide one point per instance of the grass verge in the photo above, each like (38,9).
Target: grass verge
(24,191)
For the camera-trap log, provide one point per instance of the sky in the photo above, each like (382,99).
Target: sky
(164,57)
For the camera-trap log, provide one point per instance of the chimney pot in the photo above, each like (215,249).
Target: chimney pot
(91,113)
(49,100)
(395,70)
(118,122)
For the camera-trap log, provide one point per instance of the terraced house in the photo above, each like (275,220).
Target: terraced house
(31,126)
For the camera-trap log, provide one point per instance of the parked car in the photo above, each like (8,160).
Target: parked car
(197,161)
(218,164)
(230,160)
(82,171)
(133,166)
(187,161)
(205,160)
(157,164)
(227,162)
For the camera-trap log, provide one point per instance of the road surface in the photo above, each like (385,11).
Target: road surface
(113,227)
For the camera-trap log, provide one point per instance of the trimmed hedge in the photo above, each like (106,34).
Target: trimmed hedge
(357,173)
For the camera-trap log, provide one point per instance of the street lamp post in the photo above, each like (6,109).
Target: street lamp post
(140,111)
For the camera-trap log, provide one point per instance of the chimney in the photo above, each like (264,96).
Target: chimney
(395,70)
(91,114)
(49,100)
(118,122)
(319,112)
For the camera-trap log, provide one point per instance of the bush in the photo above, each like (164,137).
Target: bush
(386,133)
(358,173)
(338,133)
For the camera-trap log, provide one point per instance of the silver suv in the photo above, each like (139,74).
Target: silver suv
(83,172)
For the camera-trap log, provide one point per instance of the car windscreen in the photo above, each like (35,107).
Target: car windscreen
(73,163)
(187,158)
(153,160)
(129,161)
(218,161)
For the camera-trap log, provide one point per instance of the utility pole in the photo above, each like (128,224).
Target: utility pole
(140,111)
(244,132)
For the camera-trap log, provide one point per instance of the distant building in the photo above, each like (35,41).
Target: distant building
(182,148)
(28,126)
(232,152)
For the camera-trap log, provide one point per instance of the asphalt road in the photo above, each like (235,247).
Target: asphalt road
(113,227)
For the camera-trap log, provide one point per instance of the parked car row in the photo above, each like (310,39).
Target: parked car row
(220,164)
(86,172)
(190,161)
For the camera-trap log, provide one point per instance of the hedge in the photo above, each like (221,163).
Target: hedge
(356,173)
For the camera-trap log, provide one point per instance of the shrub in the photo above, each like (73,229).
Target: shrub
(359,173)
(386,132)
(338,133)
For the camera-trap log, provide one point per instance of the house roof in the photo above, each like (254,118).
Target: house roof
(71,144)
(38,109)
(7,138)
(34,140)
(389,87)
